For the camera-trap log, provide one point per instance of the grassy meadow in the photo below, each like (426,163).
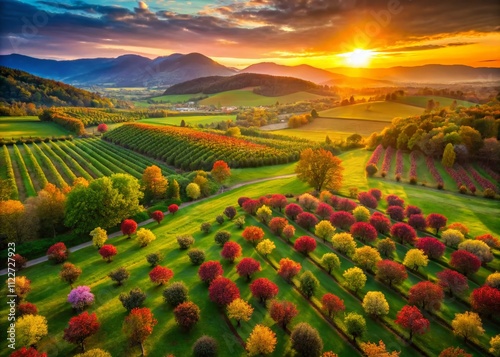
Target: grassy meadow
(382,111)
(421,101)
(29,126)
(247,98)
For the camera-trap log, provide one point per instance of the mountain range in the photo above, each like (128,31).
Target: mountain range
(139,71)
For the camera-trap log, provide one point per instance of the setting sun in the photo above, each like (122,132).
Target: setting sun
(358,58)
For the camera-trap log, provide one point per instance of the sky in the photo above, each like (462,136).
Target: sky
(321,33)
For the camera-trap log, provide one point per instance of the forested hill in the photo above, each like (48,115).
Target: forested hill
(21,87)
(263,84)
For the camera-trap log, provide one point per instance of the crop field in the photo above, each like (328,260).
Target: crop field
(421,101)
(247,98)
(335,128)
(191,120)
(177,98)
(49,292)
(380,111)
(60,162)
(29,126)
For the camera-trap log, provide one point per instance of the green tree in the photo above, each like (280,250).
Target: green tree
(448,156)
(355,325)
(355,279)
(173,190)
(308,284)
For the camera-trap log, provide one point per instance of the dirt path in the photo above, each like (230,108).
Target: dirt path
(143,223)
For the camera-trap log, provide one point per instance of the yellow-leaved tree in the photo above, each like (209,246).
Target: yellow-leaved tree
(320,169)
(265,247)
(261,341)
(30,329)
(240,310)
(145,236)
(99,237)
(154,183)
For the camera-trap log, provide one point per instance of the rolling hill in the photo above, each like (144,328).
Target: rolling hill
(378,111)
(266,85)
(123,71)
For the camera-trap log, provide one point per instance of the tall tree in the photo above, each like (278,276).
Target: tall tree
(154,183)
(467,325)
(221,171)
(138,325)
(50,203)
(262,341)
(320,169)
(448,156)
(80,328)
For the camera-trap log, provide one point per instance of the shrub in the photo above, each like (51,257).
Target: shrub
(293,210)
(70,273)
(489,193)
(288,232)
(393,200)
(145,236)
(396,213)
(128,227)
(185,241)
(206,227)
(176,293)
(135,298)
(80,298)
(452,237)
(230,212)
(278,201)
(367,200)
(253,234)
(277,224)
(58,253)
(411,210)
(107,252)
(26,308)
(361,214)
(173,208)
(264,214)
(371,169)
(221,237)
(119,275)
(157,216)
(242,200)
(375,192)
(305,245)
(19,262)
(219,219)
(231,251)
(239,222)
(265,247)
(251,206)
(196,256)
(386,247)
(343,220)
(160,275)
(306,340)
(247,267)
(381,223)
(187,315)
(432,247)
(223,291)
(491,241)
(417,221)
(210,270)
(493,280)
(205,346)
(345,204)
(154,258)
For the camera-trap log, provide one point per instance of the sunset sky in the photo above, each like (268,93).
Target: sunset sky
(322,33)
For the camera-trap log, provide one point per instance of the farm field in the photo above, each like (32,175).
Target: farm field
(335,128)
(29,126)
(421,101)
(168,338)
(60,162)
(380,111)
(246,98)
(191,120)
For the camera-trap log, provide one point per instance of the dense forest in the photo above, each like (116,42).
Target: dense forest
(473,133)
(271,86)
(21,91)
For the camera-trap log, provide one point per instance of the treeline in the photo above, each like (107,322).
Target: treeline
(266,85)
(18,87)
(473,132)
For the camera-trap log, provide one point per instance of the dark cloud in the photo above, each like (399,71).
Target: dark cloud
(301,26)
(427,47)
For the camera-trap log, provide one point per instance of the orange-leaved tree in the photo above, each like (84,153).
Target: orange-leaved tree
(320,169)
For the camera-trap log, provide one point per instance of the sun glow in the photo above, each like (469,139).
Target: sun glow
(358,58)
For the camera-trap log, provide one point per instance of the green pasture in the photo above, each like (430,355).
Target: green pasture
(381,111)
(191,120)
(421,101)
(247,98)
(29,126)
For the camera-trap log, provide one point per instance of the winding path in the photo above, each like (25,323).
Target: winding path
(143,223)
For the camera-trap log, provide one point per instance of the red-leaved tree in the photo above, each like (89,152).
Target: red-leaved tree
(489,239)
(102,128)
(278,201)
(187,315)
(364,232)
(465,262)
(432,247)
(404,233)
(393,200)
(157,216)
(28,352)
(220,171)
(305,245)
(324,210)
(242,200)
(107,252)
(26,308)
(231,251)
(410,318)
(58,252)
(436,221)
(367,200)
(396,213)
(128,227)
(160,275)
(391,272)
(417,221)
(380,222)
(173,208)
(253,234)
(138,325)
(375,192)
(410,210)
(288,269)
(342,219)
(263,289)
(282,312)
(277,224)
(345,204)
(452,281)
(426,295)
(247,266)
(251,206)
(486,300)
(293,210)
(80,328)
(307,220)
(223,291)
(332,304)
(210,270)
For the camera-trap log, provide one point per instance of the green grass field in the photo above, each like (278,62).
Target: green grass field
(247,98)
(336,129)
(382,111)
(256,173)
(176,98)
(421,101)
(192,120)
(26,126)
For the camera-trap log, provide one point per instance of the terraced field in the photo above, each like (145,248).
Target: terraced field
(30,166)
